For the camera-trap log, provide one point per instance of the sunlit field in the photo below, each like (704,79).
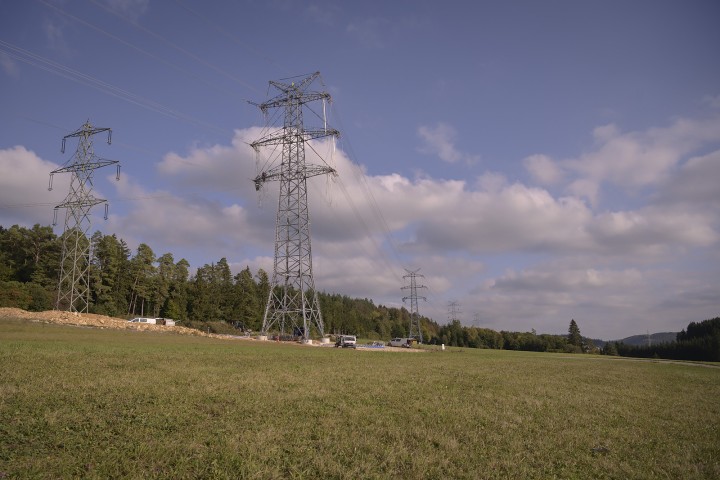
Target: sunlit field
(83,402)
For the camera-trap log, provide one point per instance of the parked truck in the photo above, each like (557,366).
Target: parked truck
(346,341)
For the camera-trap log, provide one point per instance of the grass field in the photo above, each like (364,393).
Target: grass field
(81,402)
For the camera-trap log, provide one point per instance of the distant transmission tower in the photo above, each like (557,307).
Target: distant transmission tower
(293,301)
(454,311)
(415,331)
(74,282)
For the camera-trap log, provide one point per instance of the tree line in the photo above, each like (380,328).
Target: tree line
(700,341)
(125,284)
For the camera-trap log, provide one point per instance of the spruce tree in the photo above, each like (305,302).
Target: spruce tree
(574,337)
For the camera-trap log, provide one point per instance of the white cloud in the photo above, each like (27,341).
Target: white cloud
(516,217)
(432,216)
(580,279)
(191,220)
(695,182)
(640,159)
(543,169)
(24,195)
(219,167)
(440,140)
(652,230)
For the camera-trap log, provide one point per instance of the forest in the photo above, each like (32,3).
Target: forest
(125,284)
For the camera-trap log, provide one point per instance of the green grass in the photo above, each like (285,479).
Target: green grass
(80,402)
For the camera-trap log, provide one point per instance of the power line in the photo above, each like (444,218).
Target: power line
(177,47)
(230,36)
(88,80)
(141,50)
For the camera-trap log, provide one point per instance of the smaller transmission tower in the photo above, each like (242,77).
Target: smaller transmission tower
(415,331)
(454,311)
(293,301)
(74,282)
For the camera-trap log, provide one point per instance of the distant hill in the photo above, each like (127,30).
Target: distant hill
(655,338)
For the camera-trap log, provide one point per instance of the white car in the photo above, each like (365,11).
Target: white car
(151,321)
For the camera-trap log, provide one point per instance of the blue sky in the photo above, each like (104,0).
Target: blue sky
(538,161)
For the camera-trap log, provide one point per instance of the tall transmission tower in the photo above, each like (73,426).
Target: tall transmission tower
(415,331)
(74,282)
(293,301)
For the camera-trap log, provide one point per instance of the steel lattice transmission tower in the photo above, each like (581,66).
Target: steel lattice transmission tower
(293,301)
(415,331)
(454,311)
(74,281)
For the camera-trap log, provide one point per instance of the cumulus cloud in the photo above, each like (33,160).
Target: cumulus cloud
(579,279)
(356,215)
(24,195)
(543,169)
(695,183)
(644,158)
(515,217)
(440,140)
(182,220)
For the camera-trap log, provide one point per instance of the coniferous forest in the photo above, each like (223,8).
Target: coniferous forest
(125,283)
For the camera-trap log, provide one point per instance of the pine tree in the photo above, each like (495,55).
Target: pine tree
(574,337)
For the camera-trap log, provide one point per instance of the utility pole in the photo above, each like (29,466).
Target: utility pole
(293,301)
(454,311)
(74,282)
(415,331)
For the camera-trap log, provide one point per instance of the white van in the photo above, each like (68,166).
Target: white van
(346,341)
(402,342)
(151,321)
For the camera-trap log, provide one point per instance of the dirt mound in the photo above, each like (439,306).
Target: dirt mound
(99,321)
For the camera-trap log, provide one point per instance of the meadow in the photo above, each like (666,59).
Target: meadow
(91,403)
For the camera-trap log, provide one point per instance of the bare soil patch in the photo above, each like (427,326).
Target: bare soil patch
(98,321)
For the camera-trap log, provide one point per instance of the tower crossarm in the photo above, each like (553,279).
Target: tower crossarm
(292,96)
(87,131)
(417,297)
(78,167)
(281,137)
(276,173)
(85,202)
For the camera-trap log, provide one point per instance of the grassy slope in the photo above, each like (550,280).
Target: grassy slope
(100,404)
